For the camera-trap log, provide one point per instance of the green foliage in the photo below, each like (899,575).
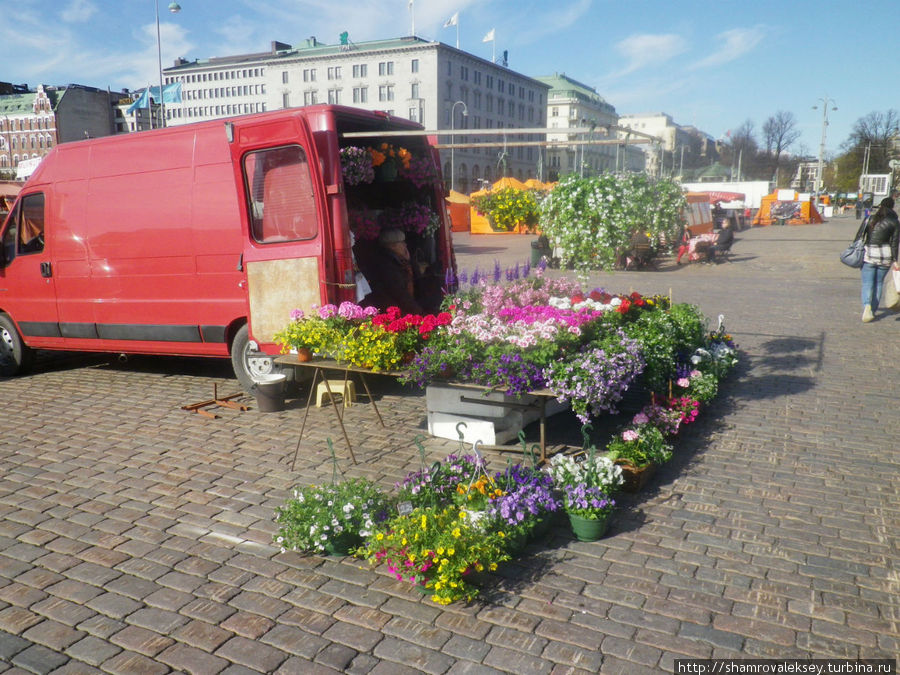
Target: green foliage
(639,447)
(507,207)
(592,220)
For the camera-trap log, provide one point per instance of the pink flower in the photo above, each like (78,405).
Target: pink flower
(695,373)
(630,435)
(683,382)
(641,418)
(327,311)
(296,314)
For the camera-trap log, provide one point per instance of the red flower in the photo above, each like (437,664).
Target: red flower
(578,297)
(637,299)
(624,307)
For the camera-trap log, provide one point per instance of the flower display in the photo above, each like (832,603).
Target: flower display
(364,225)
(356,165)
(386,152)
(419,170)
(438,484)
(509,207)
(588,501)
(410,216)
(640,445)
(316,515)
(437,548)
(593,470)
(591,220)
(595,379)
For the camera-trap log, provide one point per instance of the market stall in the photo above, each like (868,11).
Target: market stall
(787,207)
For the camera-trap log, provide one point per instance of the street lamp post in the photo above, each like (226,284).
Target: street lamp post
(174,7)
(465,113)
(819,176)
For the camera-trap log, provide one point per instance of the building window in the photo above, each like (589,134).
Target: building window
(500,85)
(360,94)
(361,70)
(309,75)
(414,90)
(414,114)
(334,96)
(334,72)
(386,92)
(449,69)
(477,77)
(386,68)
(414,66)
(309,98)
(464,73)
(286,100)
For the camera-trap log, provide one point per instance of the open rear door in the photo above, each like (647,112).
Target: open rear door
(287,255)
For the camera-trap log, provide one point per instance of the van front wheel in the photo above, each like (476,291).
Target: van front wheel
(248,363)
(15,357)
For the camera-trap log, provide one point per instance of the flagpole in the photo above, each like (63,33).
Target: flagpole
(412,14)
(457,33)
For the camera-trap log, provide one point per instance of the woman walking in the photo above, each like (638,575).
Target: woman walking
(882,231)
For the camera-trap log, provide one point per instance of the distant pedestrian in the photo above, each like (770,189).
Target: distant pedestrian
(882,233)
(858,209)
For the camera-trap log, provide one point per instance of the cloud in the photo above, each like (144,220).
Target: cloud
(643,50)
(732,44)
(78,11)
(559,18)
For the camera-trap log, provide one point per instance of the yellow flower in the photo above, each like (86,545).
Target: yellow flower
(440,550)
(456,533)
(451,551)
(379,536)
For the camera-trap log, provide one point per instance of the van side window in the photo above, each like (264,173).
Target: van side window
(281,202)
(31,224)
(10,237)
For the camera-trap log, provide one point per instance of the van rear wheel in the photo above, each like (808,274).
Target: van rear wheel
(249,363)
(15,357)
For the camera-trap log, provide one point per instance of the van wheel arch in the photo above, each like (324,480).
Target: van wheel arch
(15,356)
(248,363)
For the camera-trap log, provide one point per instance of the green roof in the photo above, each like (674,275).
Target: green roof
(23,104)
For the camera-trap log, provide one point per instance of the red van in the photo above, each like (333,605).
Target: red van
(199,240)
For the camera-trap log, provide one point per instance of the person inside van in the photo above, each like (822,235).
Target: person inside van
(388,269)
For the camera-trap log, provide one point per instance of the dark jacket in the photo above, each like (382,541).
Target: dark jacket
(886,230)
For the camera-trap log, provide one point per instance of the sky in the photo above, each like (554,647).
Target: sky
(710,64)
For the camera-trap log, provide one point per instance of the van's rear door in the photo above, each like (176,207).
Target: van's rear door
(287,252)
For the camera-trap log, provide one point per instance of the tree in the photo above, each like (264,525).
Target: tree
(876,132)
(780,132)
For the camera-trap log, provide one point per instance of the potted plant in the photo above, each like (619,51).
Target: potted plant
(330,518)
(356,166)
(525,506)
(586,487)
(438,549)
(638,451)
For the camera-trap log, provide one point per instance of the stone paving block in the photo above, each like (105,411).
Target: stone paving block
(251,654)
(141,640)
(516,662)
(101,626)
(93,574)
(294,641)
(187,659)
(129,663)
(21,596)
(463,625)
(53,635)
(207,610)
(39,659)
(202,635)
(469,668)
(11,645)
(15,620)
(62,611)
(337,656)
(248,625)
(92,650)
(465,648)
(356,637)
(413,656)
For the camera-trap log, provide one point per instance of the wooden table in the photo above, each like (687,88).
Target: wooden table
(319,367)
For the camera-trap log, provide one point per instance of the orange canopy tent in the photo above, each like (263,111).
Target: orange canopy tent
(458,209)
(775,207)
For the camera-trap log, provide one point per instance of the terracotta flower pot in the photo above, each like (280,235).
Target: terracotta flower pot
(304,355)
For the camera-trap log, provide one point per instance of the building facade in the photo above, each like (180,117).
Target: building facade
(572,105)
(33,122)
(427,82)
(667,157)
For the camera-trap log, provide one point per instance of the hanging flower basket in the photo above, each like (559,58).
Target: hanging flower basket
(635,478)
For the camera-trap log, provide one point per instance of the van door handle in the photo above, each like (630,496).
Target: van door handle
(46,270)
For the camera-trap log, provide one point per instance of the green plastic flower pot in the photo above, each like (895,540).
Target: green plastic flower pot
(586,529)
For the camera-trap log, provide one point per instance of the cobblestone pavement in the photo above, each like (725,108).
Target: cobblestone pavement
(135,537)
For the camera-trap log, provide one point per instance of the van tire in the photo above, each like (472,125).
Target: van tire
(248,364)
(15,356)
